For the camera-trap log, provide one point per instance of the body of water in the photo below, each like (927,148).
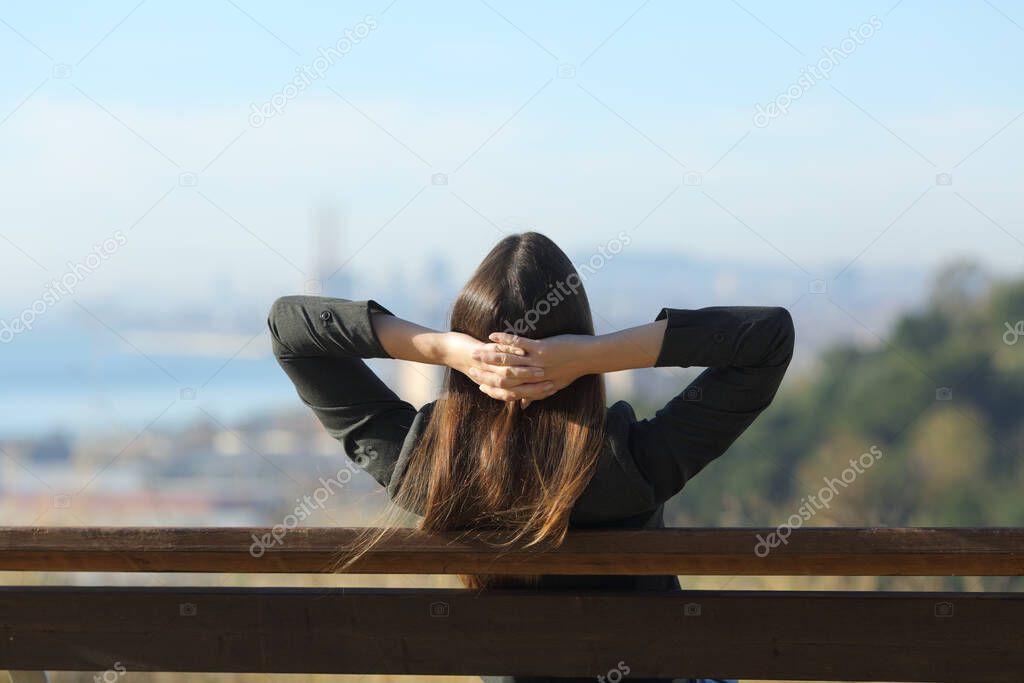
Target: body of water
(75,380)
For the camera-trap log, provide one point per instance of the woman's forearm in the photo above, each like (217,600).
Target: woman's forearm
(634,347)
(628,349)
(406,340)
(477,360)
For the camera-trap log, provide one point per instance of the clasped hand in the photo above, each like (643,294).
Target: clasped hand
(515,368)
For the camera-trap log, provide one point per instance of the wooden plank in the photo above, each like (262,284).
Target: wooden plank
(28,677)
(730,551)
(892,636)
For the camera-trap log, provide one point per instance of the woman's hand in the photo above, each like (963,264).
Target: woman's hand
(512,368)
(561,360)
(496,367)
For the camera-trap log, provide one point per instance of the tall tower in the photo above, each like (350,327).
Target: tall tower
(329,268)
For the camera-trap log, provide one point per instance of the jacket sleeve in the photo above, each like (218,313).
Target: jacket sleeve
(746,351)
(320,343)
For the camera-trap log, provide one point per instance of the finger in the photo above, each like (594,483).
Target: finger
(536,391)
(522,372)
(493,357)
(531,390)
(491,379)
(528,391)
(497,379)
(509,348)
(497,394)
(513,340)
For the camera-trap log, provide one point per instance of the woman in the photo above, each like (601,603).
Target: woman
(520,440)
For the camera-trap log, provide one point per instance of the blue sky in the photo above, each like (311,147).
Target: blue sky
(577,119)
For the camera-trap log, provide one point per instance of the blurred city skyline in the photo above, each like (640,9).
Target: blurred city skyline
(172,168)
(436,129)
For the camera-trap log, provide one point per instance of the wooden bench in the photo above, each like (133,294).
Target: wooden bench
(792,635)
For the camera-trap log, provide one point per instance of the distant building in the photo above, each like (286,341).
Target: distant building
(54,448)
(417,383)
(619,384)
(330,272)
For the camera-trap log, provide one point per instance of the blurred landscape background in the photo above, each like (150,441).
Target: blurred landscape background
(171,169)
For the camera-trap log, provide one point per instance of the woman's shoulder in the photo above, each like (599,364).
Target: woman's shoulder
(621,410)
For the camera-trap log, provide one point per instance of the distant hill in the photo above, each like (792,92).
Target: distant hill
(940,399)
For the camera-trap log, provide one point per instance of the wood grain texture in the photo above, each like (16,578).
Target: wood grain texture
(697,551)
(895,636)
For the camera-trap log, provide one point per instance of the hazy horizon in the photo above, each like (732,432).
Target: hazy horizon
(173,162)
(576,120)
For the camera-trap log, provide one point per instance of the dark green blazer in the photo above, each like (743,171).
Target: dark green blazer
(321,342)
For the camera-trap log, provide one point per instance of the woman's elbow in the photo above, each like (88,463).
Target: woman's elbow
(276,317)
(785,335)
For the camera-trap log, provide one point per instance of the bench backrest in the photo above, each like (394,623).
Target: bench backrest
(694,551)
(820,635)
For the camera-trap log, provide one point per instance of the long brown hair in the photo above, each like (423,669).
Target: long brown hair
(487,465)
